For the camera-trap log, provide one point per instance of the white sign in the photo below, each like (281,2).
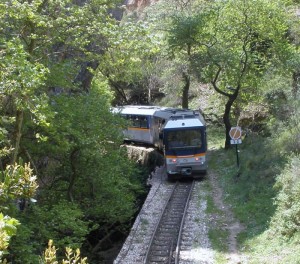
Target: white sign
(235,141)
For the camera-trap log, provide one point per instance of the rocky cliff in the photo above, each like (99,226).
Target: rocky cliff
(132,5)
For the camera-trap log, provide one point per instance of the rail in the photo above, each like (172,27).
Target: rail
(169,228)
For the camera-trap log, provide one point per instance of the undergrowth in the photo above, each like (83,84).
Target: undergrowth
(264,194)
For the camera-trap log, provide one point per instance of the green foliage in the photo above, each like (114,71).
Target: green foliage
(42,24)
(8,228)
(85,124)
(85,166)
(285,123)
(16,182)
(43,46)
(288,141)
(21,76)
(129,60)
(72,139)
(250,189)
(272,229)
(248,33)
(184,30)
(63,222)
(286,220)
(84,133)
(21,81)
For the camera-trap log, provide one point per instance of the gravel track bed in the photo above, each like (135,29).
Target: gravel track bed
(196,247)
(135,246)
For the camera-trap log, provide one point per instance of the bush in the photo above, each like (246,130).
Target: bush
(286,220)
(73,257)
(63,223)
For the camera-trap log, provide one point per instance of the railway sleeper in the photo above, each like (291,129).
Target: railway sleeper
(157,259)
(162,248)
(169,229)
(161,253)
(162,242)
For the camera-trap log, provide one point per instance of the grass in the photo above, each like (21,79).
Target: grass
(218,238)
(217,234)
(251,196)
(266,248)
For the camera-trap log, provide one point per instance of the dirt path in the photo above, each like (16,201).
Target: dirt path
(233,226)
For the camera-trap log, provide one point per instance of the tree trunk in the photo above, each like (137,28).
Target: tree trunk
(185,90)
(18,135)
(85,76)
(226,120)
(231,98)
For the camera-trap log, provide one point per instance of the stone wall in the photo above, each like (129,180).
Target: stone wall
(147,157)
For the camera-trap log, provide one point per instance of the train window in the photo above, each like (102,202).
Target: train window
(184,138)
(138,121)
(144,122)
(135,121)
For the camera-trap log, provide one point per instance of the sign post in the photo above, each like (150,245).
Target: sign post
(235,134)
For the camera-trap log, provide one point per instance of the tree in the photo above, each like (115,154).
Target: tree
(50,117)
(82,169)
(45,43)
(182,40)
(173,20)
(21,80)
(241,41)
(16,182)
(128,61)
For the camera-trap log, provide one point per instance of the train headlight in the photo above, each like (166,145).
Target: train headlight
(173,160)
(200,159)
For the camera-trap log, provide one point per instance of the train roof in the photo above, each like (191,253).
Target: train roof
(184,123)
(163,112)
(137,109)
(174,112)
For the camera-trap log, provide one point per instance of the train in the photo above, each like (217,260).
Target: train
(180,134)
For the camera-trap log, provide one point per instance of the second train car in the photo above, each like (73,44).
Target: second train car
(179,133)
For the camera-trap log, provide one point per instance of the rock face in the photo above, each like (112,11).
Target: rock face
(146,157)
(132,5)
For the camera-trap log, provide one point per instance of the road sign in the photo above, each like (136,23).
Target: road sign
(235,133)
(235,141)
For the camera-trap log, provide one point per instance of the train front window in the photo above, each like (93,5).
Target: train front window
(190,138)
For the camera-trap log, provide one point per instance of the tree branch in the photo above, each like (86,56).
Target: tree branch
(214,82)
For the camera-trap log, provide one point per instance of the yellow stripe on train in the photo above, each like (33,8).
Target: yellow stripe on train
(188,156)
(138,128)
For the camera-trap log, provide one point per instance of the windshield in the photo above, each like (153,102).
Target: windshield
(178,139)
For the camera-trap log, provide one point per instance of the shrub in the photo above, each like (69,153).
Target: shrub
(73,257)
(286,220)
(63,223)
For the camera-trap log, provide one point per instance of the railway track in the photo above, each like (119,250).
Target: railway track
(165,243)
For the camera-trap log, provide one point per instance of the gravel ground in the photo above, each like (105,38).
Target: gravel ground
(196,245)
